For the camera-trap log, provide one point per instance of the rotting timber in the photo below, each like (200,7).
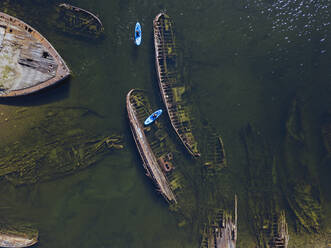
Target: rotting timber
(213,152)
(171,85)
(28,62)
(77,21)
(155,164)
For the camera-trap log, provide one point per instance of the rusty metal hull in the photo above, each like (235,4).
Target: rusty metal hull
(166,66)
(28,62)
(150,162)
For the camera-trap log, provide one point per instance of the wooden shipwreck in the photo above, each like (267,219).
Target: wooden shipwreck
(279,232)
(28,62)
(16,239)
(214,158)
(171,85)
(221,231)
(78,21)
(150,142)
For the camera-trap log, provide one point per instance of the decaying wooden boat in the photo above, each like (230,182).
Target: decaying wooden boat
(151,144)
(214,158)
(77,21)
(28,62)
(15,238)
(171,85)
(279,232)
(221,231)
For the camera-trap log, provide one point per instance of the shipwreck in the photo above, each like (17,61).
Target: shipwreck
(18,237)
(28,62)
(221,230)
(152,145)
(78,21)
(171,84)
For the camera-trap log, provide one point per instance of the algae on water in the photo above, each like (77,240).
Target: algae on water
(298,172)
(56,145)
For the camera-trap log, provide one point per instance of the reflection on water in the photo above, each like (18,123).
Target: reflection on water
(246,60)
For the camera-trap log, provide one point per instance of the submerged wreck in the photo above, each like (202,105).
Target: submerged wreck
(171,85)
(78,21)
(213,152)
(152,145)
(61,145)
(279,232)
(28,62)
(221,231)
(265,210)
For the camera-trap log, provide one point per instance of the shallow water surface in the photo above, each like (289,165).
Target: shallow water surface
(245,61)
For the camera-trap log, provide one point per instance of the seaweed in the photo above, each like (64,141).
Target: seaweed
(76,21)
(264,200)
(56,145)
(299,183)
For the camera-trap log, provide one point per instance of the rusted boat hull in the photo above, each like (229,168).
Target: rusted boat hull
(150,161)
(28,62)
(16,241)
(170,86)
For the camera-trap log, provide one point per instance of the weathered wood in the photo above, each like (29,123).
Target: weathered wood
(280,236)
(28,62)
(15,239)
(150,161)
(166,65)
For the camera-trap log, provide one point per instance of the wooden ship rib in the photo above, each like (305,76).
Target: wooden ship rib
(155,163)
(279,232)
(28,62)
(171,86)
(221,231)
(214,158)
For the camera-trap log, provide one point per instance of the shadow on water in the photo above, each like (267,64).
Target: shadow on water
(51,94)
(134,51)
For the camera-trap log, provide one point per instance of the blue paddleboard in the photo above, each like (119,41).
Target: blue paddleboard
(137,34)
(153,117)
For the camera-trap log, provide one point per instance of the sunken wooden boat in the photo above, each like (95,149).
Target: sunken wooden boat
(221,231)
(28,62)
(171,85)
(214,158)
(150,142)
(15,239)
(279,231)
(78,21)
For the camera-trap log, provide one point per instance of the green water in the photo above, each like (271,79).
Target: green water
(246,60)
